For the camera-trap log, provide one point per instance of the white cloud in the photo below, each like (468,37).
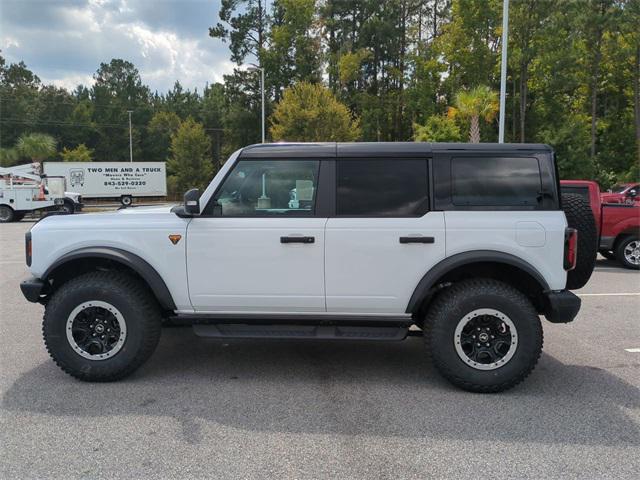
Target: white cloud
(165,40)
(72,81)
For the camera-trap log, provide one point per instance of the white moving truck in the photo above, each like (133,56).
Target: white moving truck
(122,180)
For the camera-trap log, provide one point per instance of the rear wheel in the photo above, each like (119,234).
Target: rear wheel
(483,335)
(628,252)
(580,216)
(6,214)
(101,326)
(126,200)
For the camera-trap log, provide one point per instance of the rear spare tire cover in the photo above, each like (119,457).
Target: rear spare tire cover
(580,216)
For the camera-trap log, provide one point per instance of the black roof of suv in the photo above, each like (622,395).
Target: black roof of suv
(372,149)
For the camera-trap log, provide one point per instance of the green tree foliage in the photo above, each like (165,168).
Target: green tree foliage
(309,113)
(573,79)
(8,157)
(36,146)
(79,154)
(190,164)
(161,127)
(117,89)
(294,46)
(438,128)
(472,105)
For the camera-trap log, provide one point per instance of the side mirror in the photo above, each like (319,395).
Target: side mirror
(192,202)
(632,193)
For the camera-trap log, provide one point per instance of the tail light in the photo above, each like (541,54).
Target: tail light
(27,247)
(570,248)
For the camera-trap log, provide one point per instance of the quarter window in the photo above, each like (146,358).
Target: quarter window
(495,181)
(382,187)
(269,187)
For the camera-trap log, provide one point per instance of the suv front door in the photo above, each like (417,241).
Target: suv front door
(262,248)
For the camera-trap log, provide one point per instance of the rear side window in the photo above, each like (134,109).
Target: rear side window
(382,187)
(495,181)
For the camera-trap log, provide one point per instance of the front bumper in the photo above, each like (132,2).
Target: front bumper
(561,306)
(32,289)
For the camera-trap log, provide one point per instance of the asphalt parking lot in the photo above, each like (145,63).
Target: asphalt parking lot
(203,408)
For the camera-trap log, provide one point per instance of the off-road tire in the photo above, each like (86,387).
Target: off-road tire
(452,304)
(138,307)
(7,214)
(622,244)
(580,216)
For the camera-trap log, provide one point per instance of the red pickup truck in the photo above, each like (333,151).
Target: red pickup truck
(618,224)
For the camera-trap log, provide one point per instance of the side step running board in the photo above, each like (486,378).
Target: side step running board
(320,332)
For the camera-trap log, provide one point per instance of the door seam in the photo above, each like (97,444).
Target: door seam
(324,265)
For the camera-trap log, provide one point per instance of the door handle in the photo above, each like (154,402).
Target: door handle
(293,239)
(417,240)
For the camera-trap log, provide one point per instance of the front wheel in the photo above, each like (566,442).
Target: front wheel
(628,252)
(101,326)
(483,335)
(126,200)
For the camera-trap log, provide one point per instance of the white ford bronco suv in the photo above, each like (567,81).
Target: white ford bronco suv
(464,244)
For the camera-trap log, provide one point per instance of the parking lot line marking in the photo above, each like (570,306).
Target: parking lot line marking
(629,294)
(633,350)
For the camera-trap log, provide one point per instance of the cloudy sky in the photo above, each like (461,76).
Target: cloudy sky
(63,42)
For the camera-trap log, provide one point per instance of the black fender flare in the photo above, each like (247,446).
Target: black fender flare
(128,259)
(429,280)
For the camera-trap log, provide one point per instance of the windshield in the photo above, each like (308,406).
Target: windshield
(619,188)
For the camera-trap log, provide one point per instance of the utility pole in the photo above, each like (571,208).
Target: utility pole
(503,68)
(262,89)
(130,138)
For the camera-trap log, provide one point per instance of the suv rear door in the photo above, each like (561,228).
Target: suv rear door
(383,238)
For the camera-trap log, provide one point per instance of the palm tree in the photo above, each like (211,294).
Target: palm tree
(36,146)
(473,104)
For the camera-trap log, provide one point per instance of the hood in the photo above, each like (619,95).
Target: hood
(151,209)
(136,218)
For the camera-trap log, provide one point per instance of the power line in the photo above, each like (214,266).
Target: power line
(19,121)
(77,102)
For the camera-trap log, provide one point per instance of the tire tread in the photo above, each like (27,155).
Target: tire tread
(137,293)
(580,216)
(447,300)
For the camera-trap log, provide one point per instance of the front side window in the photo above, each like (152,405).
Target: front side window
(256,188)
(382,187)
(495,181)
